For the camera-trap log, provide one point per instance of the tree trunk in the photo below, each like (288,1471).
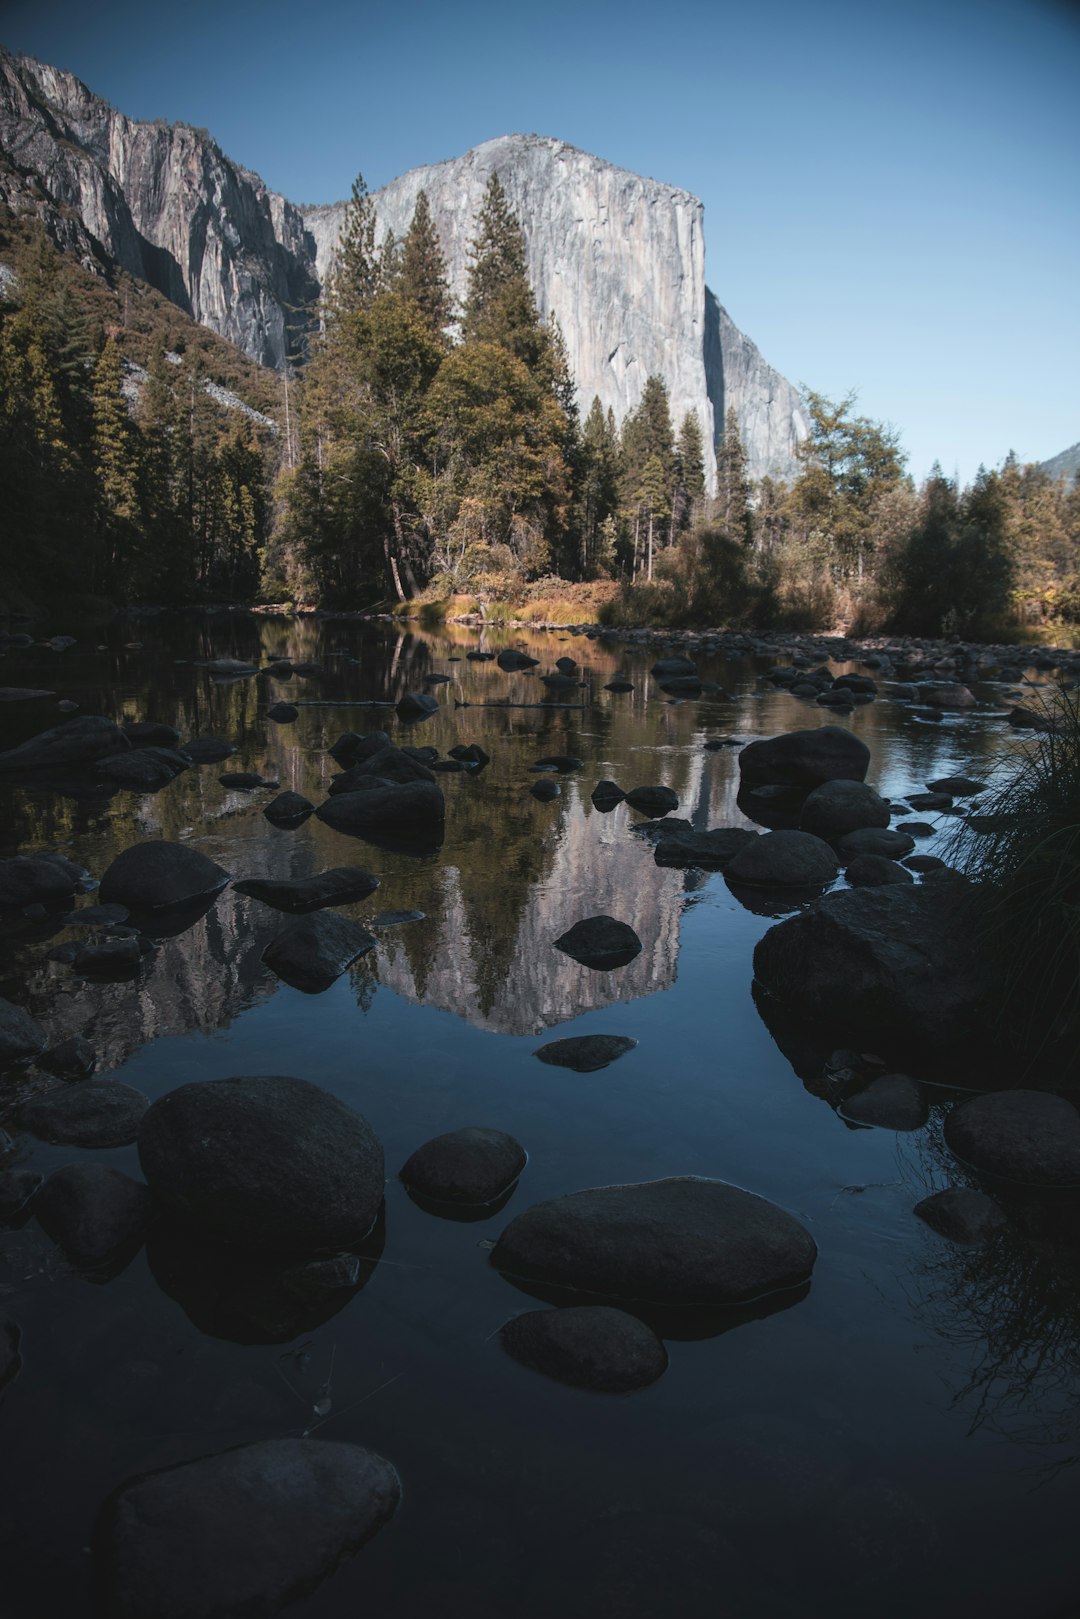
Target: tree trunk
(648,572)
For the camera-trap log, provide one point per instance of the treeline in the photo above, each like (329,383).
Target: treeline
(120,479)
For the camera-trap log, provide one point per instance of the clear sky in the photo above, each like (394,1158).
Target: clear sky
(892,193)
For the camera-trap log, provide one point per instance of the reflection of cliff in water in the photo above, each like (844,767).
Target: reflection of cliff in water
(493,961)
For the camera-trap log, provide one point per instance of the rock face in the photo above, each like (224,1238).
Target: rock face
(272,1163)
(895,966)
(620,259)
(242,1532)
(681,1241)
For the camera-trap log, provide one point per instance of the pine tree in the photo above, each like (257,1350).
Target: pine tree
(355,278)
(689,472)
(423,269)
(733,509)
(115,463)
(499,306)
(597,488)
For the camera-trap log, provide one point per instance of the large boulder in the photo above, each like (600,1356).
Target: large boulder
(30,880)
(143,769)
(264,1163)
(600,942)
(94,1213)
(288,809)
(314,951)
(242,1532)
(21,1036)
(416,705)
(79,741)
(837,807)
(783,860)
(586,1053)
(805,758)
(962,1214)
(151,876)
(342,885)
(1026,1136)
(895,967)
(472,1165)
(589,1346)
(681,1241)
(653,801)
(512,661)
(409,813)
(712,850)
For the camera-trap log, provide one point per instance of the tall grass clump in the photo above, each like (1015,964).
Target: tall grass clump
(1023,852)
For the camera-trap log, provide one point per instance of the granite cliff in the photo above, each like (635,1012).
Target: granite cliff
(619,259)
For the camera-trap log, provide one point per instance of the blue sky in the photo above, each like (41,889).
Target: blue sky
(891,193)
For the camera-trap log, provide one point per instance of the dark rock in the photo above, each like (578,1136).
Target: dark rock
(600,942)
(511,661)
(342,885)
(231,668)
(887,841)
(653,801)
(243,1532)
(144,769)
(1027,1136)
(545,791)
(917,829)
(947,695)
(561,682)
(437,679)
(606,795)
(265,1163)
(586,1053)
(962,1214)
(422,756)
(416,705)
(589,1346)
(396,919)
(874,871)
(20,1036)
(956,787)
(681,1241)
(95,1214)
(479,657)
(407,814)
(22,694)
(712,851)
(79,741)
(923,862)
(30,880)
(783,860)
(114,959)
(892,1102)
(10,1358)
(471,753)
(313,953)
(17,1191)
(1021,719)
(929,801)
(619,685)
(151,734)
(288,809)
(562,763)
(71,1059)
(896,967)
(673,668)
(566,666)
(806,758)
(350,749)
(837,807)
(389,764)
(97,916)
(246,780)
(471,1165)
(861,684)
(682,686)
(153,875)
(207,750)
(97,1113)
(63,953)
(715,743)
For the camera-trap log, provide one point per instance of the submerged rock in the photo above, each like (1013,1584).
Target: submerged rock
(510,660)
(72,1059)
(962,1214)
(681,1241)
(545,791)
(208,750)
(245,780)
(600,942)
(783,860)
(21,1036)
(407,814)
(283,713)
(879,840)
(97,1113)
(416,705)
(841,806)
(313,953)
(265,1163)
(79,741)
(153,875)
(33,880)
(712,851)
(151,734)
(342,885)
(143,769)
(806,758)
(245,1531)
(561,763)
(289,809)
(471,1165)
(586,1053)
(589,1346)
(875,871)
(653,801)
(94,1213)
(1030,1137)
(891,1102)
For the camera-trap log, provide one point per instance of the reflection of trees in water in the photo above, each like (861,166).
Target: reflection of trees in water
(1010,1306)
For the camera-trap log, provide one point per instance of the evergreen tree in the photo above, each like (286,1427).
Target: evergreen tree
(423,269)
(597,490)
(689,472)
(355,278)
(733,509)
(499,305)
(647,437)
(115,464)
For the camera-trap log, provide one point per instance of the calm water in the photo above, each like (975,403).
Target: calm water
(900,1439)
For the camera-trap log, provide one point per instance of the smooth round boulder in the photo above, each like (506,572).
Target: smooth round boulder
(545,791)
(143,769)
(1030,1137)
(712,850)
(685,1240)
(880,840)
(806,758)
(783,860)
(94,1213)
(957,786)
(875,871)
(288,809)
(264,1163)
(586,1053)
(96,1113)
(207,750)
(471,1165)
(245,1531)
(948,695)
(341,885)
(589,1346)
(600,942)
(283,713)
(315,950)
(606,795)
(890,1102)
(154,875)
(27,880)
(837,807)
(416,705)
(652,801)
(962,1214)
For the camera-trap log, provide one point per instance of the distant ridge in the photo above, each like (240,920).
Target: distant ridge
(1065,465)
